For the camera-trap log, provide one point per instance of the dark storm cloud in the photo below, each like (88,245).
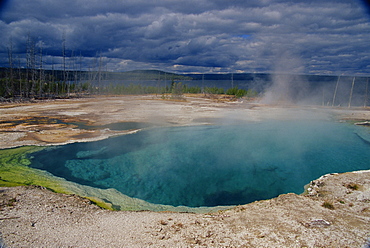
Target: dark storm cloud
(329,37)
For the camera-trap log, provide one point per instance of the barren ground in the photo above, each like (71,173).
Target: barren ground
(335,213)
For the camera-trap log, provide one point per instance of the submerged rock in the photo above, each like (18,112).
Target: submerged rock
(363,123)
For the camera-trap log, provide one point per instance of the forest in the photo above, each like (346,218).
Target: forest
(35,77)
(23,84)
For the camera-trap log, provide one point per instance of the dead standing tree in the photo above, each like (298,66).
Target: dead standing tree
(351,93)
(65,75)
(31,67)
(366,92)
(9,87)
(335,91)
(41,75)
(100,74)
(20,78)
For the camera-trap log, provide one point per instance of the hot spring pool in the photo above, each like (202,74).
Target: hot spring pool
(212,165)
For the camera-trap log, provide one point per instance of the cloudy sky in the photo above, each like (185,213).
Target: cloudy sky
(328,37)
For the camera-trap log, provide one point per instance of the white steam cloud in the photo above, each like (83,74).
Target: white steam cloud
(288,86)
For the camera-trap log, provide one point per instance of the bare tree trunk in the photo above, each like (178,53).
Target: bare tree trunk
(10,80)
(71,66)
(94,76)
(232,80)
(203,83)
(158,83)
(323,97)
(27,68)
(52,77)
(53,83)
(74,72)
(79,75)
(65,73)
(20,79)
(335,91)
(165,81)
(64,56)
(31,65)
(99,73)
(350,95)
(366,92)
(41,76)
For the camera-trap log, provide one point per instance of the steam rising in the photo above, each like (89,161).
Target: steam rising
(211,165)
(288,87)
(290,84)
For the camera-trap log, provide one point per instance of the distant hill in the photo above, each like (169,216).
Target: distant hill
(246,79)
(58,75)
(144,75)
(162,75)
(266,77)
(228,76)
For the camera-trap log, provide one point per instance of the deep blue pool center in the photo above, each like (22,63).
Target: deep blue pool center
(212,165)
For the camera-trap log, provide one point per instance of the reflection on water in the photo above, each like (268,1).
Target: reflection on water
(211,165)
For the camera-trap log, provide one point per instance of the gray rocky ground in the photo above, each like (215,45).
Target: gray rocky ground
(334,213)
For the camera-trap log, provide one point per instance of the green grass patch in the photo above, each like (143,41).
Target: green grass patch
(101,203)
(352,186)
(14,170)
(328,205)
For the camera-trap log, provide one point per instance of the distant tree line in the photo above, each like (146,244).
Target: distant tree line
(17,84)
(32,81)
(176,89)
(23,84)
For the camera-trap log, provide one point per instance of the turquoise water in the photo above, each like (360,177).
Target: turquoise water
(212,165)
